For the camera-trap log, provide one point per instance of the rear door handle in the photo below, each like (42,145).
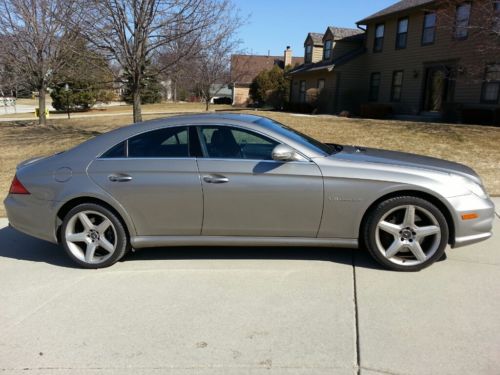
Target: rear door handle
(119,177)
(215,179)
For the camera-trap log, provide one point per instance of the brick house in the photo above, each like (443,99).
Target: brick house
(420,57)
(244,68)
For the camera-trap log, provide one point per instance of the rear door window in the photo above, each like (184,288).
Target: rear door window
(161,143)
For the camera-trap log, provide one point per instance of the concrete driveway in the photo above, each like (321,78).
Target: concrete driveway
(247,311)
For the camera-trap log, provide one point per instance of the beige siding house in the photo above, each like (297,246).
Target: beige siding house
(415,57)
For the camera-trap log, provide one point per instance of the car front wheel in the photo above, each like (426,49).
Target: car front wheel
(93,236)
(406,233)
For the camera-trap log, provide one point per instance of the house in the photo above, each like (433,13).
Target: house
(416,57)
(244,68)
(321,78)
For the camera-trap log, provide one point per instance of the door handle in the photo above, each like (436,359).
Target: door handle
(215,179)
(119,177)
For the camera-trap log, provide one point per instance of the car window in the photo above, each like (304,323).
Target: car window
(233,143)
(117,151)
(161,143)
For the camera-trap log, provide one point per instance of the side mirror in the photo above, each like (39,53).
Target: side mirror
(284,153)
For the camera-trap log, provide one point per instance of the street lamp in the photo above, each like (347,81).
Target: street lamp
(66,90)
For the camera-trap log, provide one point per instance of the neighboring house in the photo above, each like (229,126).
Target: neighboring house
(220,90)
(244,68)
(318,81)
(414,56)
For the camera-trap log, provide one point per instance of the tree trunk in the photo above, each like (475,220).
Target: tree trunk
(207,104)
(42,120)
(136,96)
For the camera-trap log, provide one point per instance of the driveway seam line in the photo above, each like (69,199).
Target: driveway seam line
(356,318)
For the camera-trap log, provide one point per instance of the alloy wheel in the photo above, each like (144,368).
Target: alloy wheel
(408,235)
(91,237)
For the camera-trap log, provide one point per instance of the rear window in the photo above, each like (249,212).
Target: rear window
(161,143)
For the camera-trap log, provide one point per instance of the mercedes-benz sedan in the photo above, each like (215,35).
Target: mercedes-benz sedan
(230,179)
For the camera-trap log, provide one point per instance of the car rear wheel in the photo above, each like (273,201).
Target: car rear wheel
(93,236)
(406,233)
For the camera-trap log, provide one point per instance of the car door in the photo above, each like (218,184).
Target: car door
(153,176)
(246,193)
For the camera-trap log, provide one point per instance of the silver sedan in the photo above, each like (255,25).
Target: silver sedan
(230,179)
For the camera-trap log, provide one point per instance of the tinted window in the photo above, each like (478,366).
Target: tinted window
(117,151)
(297,136)
(162,143)
(233,143)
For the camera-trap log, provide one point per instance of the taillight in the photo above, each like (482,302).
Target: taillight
(17,188)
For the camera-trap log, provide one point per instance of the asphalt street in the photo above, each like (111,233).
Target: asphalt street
(247,311)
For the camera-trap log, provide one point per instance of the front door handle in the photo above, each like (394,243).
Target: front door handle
(119,177)
(215,179)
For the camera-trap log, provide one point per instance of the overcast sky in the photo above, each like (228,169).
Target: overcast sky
(275,24)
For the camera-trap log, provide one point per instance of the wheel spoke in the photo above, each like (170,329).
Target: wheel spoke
(393,249)
(409,219)
(106,245)
(77,237)
(423,232)
(390,228)
(101,228)
(416,249)
(84,219)
(89,252)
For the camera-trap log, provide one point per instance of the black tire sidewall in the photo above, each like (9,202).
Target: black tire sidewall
(385,206)
(121,234)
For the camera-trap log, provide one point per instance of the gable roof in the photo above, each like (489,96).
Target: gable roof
(329,65)
(342,32)
(317,38)
(244,68)
(400,6)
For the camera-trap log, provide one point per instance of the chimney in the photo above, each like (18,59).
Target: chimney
(288,56)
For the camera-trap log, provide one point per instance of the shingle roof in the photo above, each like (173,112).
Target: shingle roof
(317,38)
(329,65)
(395,8)
(343,32)
(244,68)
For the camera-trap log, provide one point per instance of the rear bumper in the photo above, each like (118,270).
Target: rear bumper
(471,231)
(32,216)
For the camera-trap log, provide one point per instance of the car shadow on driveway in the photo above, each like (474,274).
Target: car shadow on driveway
(16,245)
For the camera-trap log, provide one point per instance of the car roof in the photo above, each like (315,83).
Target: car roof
(103,142)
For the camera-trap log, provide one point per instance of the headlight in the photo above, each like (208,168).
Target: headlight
(470,185)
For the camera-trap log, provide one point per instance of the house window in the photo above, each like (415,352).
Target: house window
(491,84)
(321,85)
(308,57)
(496,16)
(374,86)
(397,84)
(402,35)
(378,43)
(302,92)
(429,32)
(327,51)
(462,21)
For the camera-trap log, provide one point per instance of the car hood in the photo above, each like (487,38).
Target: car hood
(372,155)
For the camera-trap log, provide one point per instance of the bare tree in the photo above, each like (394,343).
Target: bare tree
(132,31)
(479,23)
(36,38)
(210,64)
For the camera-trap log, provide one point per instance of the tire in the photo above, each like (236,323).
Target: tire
(406,233)
(93,236)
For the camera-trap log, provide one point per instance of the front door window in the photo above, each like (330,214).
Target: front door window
(437,86)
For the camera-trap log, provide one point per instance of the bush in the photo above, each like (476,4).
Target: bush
(480,116)
(271,87)
(376,110)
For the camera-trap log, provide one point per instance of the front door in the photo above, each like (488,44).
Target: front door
(246,193)
(436,88)
(156,181)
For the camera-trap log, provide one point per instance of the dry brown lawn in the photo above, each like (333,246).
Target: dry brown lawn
(476,146)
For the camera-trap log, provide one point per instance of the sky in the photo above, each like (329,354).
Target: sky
(274,24)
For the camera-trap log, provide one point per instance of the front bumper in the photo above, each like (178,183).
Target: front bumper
(32,216)
(475,230)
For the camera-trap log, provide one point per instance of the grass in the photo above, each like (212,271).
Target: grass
(476,146)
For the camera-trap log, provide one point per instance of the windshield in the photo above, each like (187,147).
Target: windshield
(297,136)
